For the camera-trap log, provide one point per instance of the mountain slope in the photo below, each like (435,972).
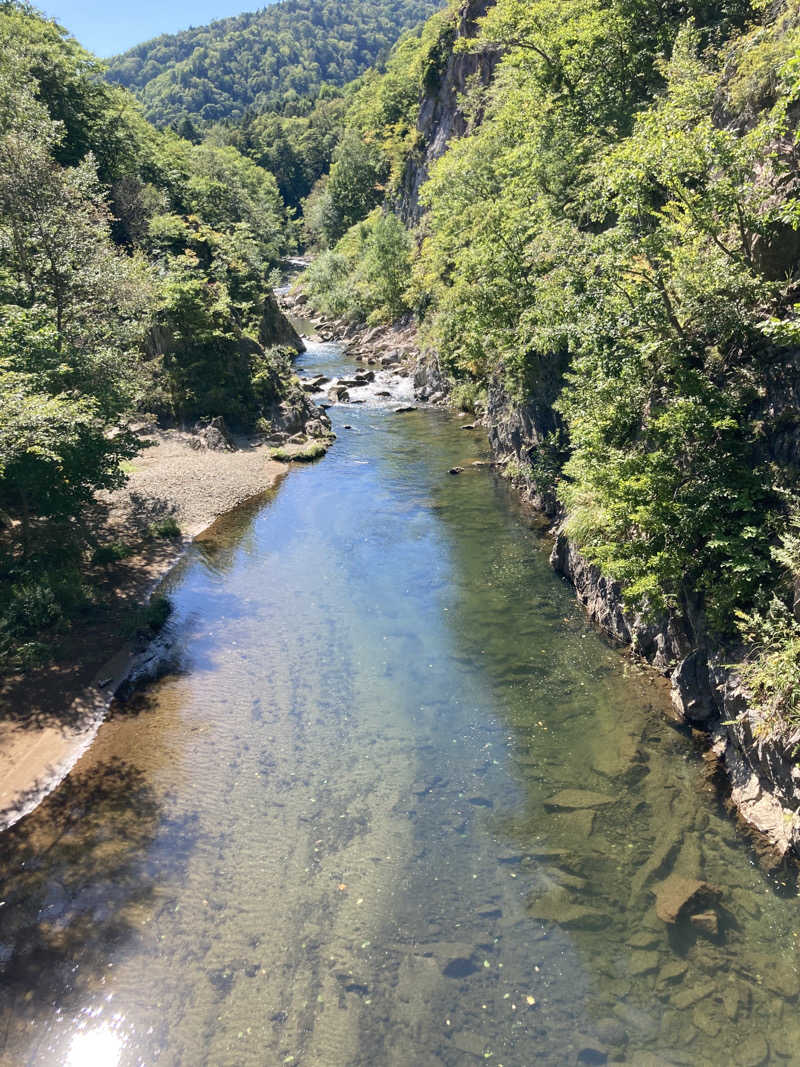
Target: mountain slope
(264,59)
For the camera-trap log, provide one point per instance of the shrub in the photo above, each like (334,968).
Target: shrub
(111,553)
(469,396)
(167,528)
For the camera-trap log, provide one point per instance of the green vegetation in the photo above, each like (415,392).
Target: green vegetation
(297,148)
(166,528)
(267,60)
(364,271)
(111,553)
(307,454)
(615,241)
(367,273)
(152,617)
(135,275)
(771,670)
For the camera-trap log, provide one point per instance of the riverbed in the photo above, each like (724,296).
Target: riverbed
(396,804)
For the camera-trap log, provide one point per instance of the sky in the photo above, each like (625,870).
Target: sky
(109,28)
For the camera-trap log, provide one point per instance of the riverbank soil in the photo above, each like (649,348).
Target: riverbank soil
(49,713)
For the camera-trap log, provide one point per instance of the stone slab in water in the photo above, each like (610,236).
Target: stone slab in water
(577,799)
(677,896)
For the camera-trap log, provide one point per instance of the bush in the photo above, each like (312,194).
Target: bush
(366,275)
(167,528)
(468,396)
(38,598)
(771,671)
(112,553)
(151,618)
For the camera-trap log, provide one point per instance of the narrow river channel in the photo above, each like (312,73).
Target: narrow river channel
(338,835)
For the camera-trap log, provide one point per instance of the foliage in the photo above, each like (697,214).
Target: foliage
(267,60)
(365,276)
(166,528)
(771,670)
(135,273)
(307,454)
(468,396)
(380,133)
(599,241)
(297,148)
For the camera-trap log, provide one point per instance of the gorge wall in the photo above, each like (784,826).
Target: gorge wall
(764,778)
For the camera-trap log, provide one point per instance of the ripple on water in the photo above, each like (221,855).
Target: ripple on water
(400,805)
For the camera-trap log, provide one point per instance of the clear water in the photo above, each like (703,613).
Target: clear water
(330,838)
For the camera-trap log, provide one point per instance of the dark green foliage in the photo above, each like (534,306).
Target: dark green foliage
(267,60)
(297,148)
(167,528)
(134,275)
(607,237)
(111,553)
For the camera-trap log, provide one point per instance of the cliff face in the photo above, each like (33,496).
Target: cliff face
(706,692)
(440,118)
(764,779)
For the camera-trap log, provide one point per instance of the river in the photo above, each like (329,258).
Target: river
(336,835)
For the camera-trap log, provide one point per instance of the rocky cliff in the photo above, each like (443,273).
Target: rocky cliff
(441,118)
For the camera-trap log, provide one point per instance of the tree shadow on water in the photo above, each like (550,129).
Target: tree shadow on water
(78,877)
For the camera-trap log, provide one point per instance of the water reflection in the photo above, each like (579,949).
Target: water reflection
(400,806)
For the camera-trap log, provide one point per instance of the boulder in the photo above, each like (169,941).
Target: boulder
(213,434)
(707,922)
(678,898)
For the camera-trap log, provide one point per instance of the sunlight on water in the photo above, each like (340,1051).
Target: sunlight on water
(100,1047)
(396,805)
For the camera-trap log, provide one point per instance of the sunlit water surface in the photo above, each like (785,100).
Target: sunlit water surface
(330,838)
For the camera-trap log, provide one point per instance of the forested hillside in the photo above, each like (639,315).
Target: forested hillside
(265,60)
(607,259)
(134,277)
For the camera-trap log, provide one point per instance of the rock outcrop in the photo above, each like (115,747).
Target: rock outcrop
(440,117)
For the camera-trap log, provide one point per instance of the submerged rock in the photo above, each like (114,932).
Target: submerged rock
(576,799)
(558,907)
(460,967)
(678,898)
(707,922)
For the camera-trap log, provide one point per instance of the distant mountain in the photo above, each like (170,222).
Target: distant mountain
(263,60)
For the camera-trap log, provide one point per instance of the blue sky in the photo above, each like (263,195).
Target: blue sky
(108,28)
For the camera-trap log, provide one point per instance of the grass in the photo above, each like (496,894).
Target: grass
(166,528)
(307,454)
(111,553)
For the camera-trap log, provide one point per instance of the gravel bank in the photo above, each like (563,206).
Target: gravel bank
(49,716)
(172,478)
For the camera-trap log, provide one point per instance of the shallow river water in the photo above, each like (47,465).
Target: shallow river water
(334,837)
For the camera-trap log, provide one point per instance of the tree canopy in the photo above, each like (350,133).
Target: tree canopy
(263,61)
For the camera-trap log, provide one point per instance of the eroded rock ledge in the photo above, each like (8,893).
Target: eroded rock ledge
(706,693)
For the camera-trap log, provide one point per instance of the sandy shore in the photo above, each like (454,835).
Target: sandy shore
(49,716)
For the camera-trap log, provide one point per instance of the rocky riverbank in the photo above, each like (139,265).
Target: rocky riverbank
(763,779)
(392,347)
